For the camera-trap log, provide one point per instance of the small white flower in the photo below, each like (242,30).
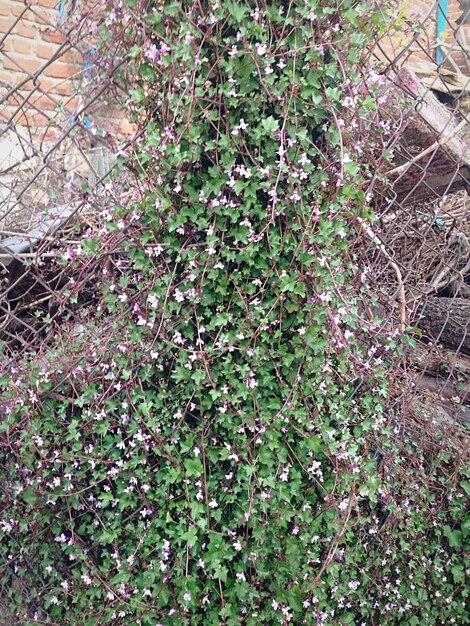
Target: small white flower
(213,504)
(187,597)
(152,300)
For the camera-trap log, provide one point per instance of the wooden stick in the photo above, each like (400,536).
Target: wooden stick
(396,269)
(439,143)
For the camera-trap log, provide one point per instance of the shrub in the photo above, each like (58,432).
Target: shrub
(211,442)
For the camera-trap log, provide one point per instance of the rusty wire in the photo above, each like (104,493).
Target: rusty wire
(418,248)
(423,211)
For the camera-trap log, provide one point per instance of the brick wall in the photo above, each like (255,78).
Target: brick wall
(41,73)
(34,55)
(36,65)
(458,37)
(51,125)
(419,36)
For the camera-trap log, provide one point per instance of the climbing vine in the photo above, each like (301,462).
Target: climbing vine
(213,439)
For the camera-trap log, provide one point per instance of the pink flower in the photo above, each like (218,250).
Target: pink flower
(152,53)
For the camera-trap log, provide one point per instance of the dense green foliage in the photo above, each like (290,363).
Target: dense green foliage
(212,442)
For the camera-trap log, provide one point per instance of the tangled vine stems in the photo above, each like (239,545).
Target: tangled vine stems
(209,441)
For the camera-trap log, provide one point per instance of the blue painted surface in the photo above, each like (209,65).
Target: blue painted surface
(65,8)
(442,9)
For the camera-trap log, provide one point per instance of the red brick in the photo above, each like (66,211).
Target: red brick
(127,128)
(49,85)
(62,88)
(18,8)
(43,103)
(45,84)
(44,17)
(21,64)
(40,119)
(59,70)
(72,104)
(22,82)
(45,51)
(52,36)
(22,28)
(21,44)
(52,4)
(5,24)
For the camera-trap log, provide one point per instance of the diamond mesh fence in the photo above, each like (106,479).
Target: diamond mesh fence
(62,127)
(422,233)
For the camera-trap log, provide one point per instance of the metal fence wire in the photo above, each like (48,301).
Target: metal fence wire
(423,230)
(59,134)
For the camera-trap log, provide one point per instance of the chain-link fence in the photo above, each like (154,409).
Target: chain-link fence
(60,128)
(422,234)
(59,134)
(56,125)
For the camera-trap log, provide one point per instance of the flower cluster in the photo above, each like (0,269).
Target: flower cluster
(211,442)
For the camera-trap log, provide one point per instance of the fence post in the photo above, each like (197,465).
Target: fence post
(442,9)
